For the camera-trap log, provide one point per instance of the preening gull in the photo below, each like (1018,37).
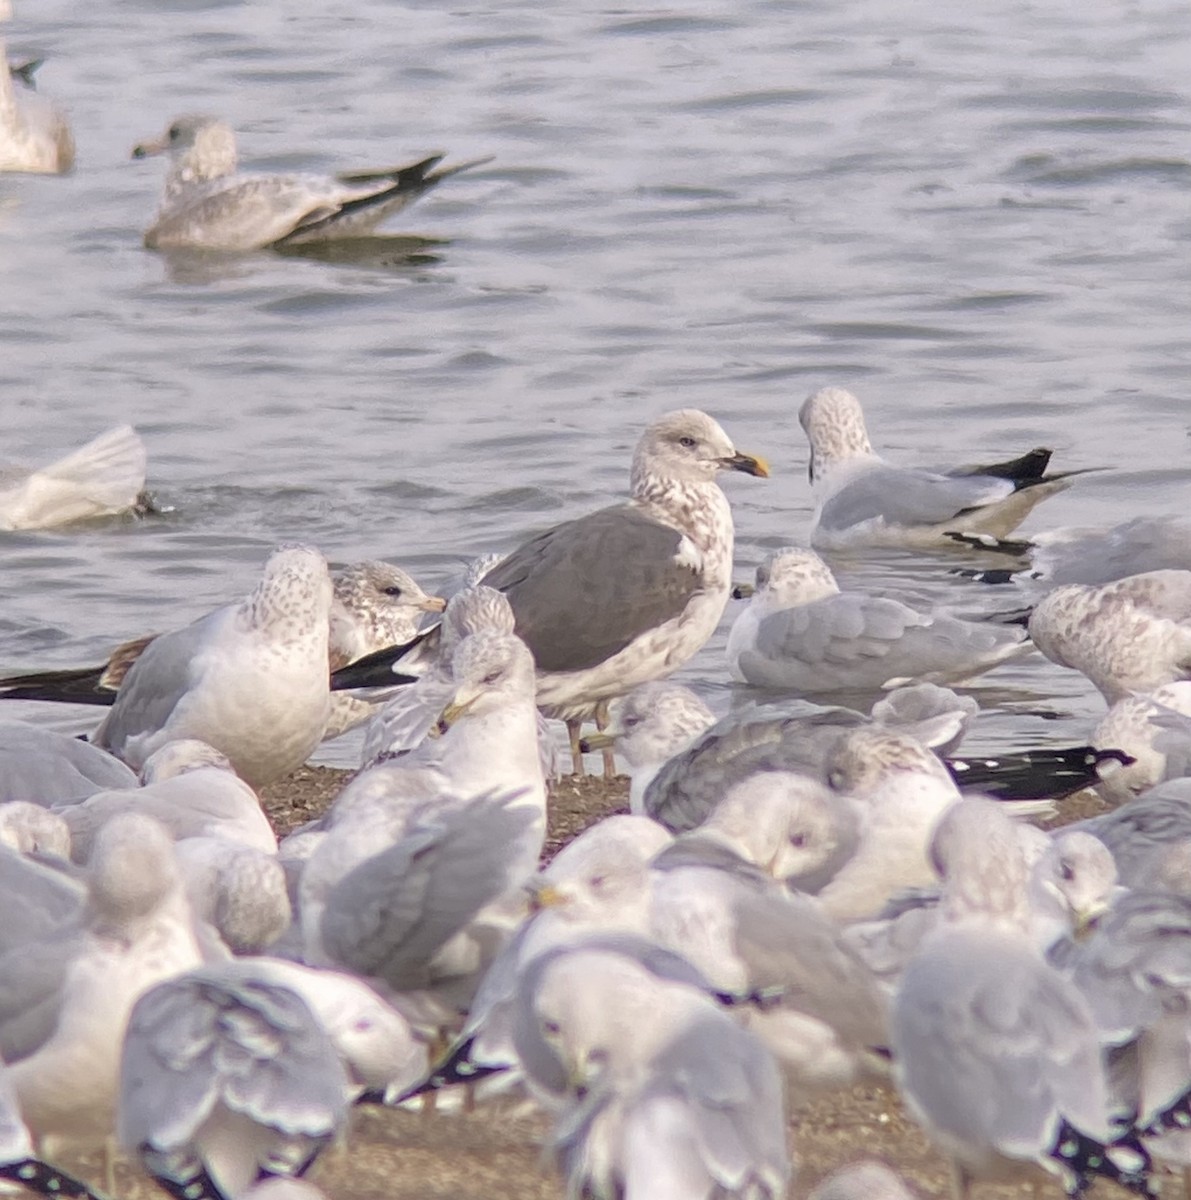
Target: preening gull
(671,1099)
(799,632)
(249,679)
(996,1053)
(207,205)
(227,1077)
(629,593)
(34,134)
(1132,635)
(104,477)
(1152,728)
(861,500)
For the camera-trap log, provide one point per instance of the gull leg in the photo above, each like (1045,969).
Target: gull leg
(574,725)
(961,1182)
(601,720)
(110,1151)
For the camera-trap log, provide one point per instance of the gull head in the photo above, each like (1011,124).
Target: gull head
(202,148)
(653,723)
(376,604)
(869,762)
(132,869)
(794,576)
(1078,872)
(294,594)
(181,756)
(478,609)
(834,425)
(688,446)
(490,670)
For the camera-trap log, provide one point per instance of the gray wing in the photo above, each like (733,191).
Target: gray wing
(51,768)
(585,590)
(32,978)
(689,786)
(1095,556)
(392,913)
(212,1037)
(993,1046)
(1133,832)
(903,496)
(245,212)
(159,680)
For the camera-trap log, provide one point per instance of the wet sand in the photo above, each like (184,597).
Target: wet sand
(495,1152)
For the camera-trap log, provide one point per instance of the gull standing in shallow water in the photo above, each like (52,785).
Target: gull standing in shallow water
(208,206)
(861,500)
(800,632)
(631,592)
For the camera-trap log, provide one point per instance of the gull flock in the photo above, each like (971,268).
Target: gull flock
(791,904)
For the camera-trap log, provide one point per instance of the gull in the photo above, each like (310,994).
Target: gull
(30,829)
(249,679)
(670,1099)
(208,205)
(227,1078)
(861,500)
(629,593)
(53,768)
(104,477)
(72,995)
(1154,730)
(190,789)
(799,632)
(374,604)
(996,1054)
(1132,635)
(34,134)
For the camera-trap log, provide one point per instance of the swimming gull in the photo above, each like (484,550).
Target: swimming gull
(1087,554)
(104,477)
(34,134)
(799,632)
(249,679)
(861,500)
(227,1078)
(1132,635)
(671,1099)
(208,205)
(631,592)
(996,1054)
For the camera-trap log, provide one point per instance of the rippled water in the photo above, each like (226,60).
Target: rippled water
(978,220)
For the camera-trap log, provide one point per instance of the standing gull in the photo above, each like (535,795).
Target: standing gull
(208,206)
(629,593)
(861,500)
(249,679)
(800,632)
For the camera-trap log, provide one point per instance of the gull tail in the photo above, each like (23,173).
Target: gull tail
(40,1177)
(378,669)
(1124,1161)
(1029,468)
(1043,774)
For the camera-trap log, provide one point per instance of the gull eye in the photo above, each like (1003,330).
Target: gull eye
(551,1027)
(598,881)
(1067,871)
(391,590)
(687,442)
(490,678)
(630,722)
(175,132)
(798,840)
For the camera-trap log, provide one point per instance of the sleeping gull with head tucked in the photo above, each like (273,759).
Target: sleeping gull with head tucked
(799,632)
(861,500)
(207,205)
(629,593)
(104,477)
(34,134)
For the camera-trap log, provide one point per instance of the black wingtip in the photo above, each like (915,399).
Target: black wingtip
(1043,774)
(40,1177)
(1124,1161)
(375,669)
(26,70)
(994,545)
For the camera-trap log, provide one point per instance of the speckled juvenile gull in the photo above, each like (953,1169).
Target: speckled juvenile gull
(190,789)
(672,1099)
(208,205)
(136,930)
(105,476)
(629,593)
(1132,635)
(1090,555)
(249,679)
(996,1054)
(34,134)
(49,768)
(861,500)
(799,632)
(1154,729)
(224,1077)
